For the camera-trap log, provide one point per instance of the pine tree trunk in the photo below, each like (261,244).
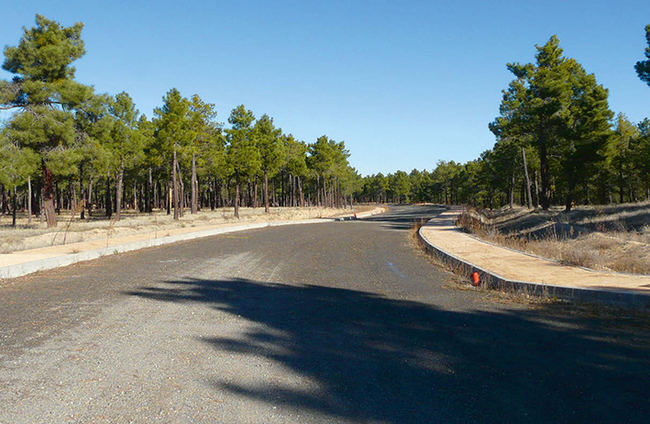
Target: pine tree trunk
(282,200)
(251,200)
(537,202)
(82,194)
(194,207)
(36,197)
(273,199)
(5,207)
(511,191)
(156,196)
(545,197)
(266,192)
(530,198)
(326,190)
(175,193)
(301,194)
(247,195)
(48,197)
(109,206)
(620,186)
(57,198)
(237,196)
(338,193)
(29,200)
(135,196)
(118,191)
(256,196)
(15,205)
(218,201)
(90,195)
(229,201)
(149,192)
(182,189)
(213,193)
(73,196)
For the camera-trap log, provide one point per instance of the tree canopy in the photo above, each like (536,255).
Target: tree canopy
(643,66)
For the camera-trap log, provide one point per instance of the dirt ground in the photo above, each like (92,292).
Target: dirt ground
(72,229)
(607,238)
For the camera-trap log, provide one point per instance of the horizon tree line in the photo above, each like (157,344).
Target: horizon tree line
(67,147)
(557,142)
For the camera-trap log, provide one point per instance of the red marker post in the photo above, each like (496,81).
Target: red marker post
(476,280)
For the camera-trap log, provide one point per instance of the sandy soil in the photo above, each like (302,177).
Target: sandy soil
(72,230)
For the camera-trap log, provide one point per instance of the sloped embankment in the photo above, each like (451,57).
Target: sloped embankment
(608,238)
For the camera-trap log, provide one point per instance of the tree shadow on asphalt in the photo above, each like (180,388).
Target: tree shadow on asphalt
(396,361)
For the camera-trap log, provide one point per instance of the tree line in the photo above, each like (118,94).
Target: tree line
(66,147)
(557,142)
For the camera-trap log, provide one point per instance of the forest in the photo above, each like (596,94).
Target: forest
(64,147)
(557,143)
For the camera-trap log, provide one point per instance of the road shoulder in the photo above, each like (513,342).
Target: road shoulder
(508,269)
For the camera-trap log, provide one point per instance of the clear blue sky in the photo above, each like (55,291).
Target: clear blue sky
(404,84)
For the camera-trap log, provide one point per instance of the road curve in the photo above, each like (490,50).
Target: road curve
(336,322)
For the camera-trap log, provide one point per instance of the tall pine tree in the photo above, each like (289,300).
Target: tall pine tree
(44,93)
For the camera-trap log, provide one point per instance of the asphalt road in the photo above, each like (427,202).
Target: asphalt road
(336,322)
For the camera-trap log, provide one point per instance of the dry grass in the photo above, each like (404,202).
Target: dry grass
(597,247)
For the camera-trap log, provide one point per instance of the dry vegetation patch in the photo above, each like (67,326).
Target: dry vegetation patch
(608,238)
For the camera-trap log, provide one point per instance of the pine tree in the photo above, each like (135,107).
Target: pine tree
(45,95)
(93,125)
(126,142)
(543,109)
(587,130)
(566,115)
(151,160)
(643,67)
(173,134)
(641,155)
(620,154)
(202,125)
(242,153)
(16,166)
(267,140)
(295,164)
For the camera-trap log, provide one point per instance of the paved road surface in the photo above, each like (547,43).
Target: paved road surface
(335,322)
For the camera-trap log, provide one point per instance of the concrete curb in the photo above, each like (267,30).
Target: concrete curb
(18,270)
(491,280)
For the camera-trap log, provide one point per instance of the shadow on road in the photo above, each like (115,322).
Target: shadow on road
(399,361)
